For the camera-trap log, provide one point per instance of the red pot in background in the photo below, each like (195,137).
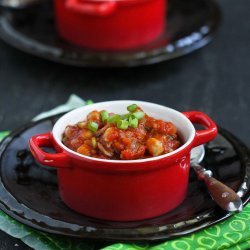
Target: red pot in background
(110,25)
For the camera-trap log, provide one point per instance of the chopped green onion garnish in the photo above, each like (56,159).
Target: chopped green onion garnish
(93,126)
(93,141)
(113,119)
(122,124)
(88,102)
(104,115)
(133,123)
(138,115)
(124,117)
(132,108)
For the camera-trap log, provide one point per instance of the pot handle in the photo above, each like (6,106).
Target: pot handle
(206,135)
(58,160)
(97,9)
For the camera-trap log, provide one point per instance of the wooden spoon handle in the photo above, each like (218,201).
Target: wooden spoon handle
(223,195)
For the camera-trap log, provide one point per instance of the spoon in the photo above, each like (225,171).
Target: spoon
(17,4)
(223,195)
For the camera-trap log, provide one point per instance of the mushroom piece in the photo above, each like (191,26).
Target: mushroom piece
(105,151)
(102,130)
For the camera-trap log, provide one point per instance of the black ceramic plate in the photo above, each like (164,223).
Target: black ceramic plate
(29,193)
(191,25)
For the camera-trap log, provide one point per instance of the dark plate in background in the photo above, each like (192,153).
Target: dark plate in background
(191,25)
(29,193)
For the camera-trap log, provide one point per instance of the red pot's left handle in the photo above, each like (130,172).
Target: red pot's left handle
(95,8)
(210,131)
(58,160)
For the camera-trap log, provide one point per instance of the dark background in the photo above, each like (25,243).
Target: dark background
(215,80)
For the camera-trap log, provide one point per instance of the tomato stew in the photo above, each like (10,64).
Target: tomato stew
(131,136)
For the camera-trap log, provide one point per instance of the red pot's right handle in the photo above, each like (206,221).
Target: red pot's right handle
(206,135)
(95,8)
(58,160)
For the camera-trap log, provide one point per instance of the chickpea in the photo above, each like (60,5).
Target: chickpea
(84,150)
(154,147)
(86,134)
(94,116)
(81,125)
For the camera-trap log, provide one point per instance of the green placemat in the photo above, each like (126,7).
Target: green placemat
(232,234)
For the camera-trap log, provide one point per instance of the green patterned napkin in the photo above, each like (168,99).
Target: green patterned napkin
(232,234)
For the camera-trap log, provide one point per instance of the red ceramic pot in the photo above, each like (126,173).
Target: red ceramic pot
(110,25)
(122,190)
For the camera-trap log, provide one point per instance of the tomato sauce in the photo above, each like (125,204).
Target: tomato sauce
(150,138)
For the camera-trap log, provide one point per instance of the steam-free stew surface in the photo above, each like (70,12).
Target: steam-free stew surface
(130,136)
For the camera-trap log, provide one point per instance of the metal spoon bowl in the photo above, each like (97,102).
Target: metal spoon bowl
(223,195)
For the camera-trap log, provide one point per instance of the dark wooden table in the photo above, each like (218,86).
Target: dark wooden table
(215,80)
